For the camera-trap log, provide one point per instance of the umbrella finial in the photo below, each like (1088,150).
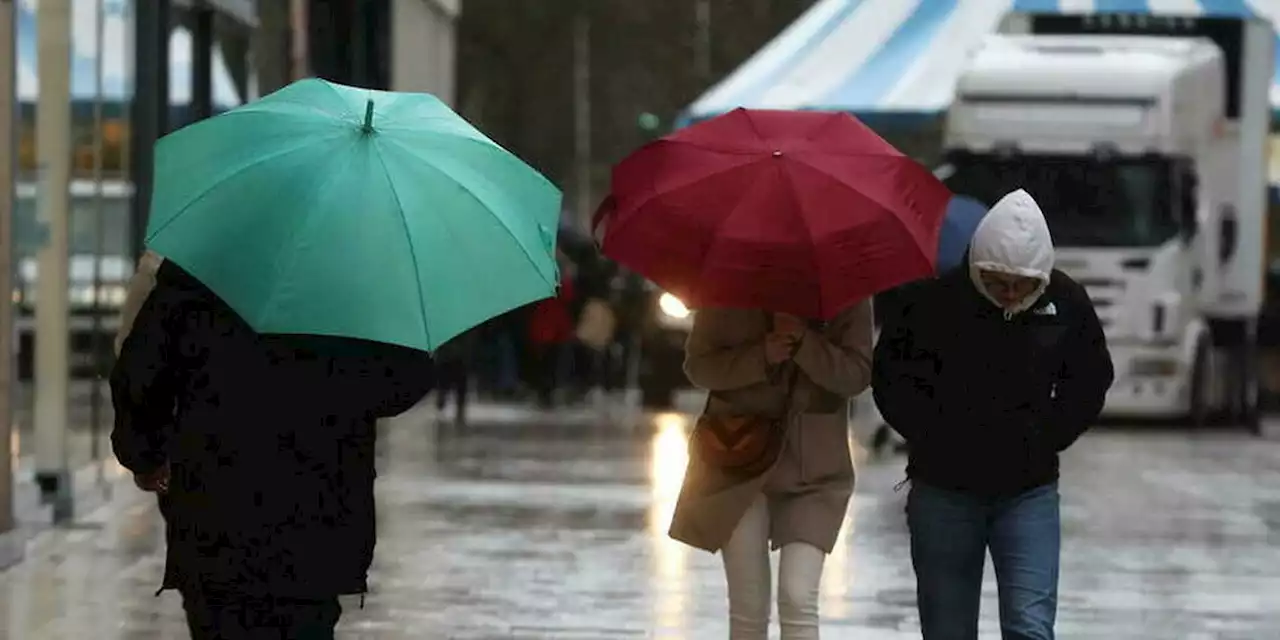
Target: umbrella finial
(368,117)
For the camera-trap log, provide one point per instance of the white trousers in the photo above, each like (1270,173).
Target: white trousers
(746,568)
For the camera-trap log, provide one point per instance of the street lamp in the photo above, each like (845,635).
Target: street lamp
(649,123)
(10,546)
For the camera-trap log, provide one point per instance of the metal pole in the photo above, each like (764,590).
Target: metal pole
(202,62)
(149,117)
(53,139)
(359,45)
(8,95)
(300,58)
(582,111)
(96,341)
(702,47)
(272,45)
(130,60)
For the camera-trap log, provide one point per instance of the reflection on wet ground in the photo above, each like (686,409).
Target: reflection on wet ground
(541,528)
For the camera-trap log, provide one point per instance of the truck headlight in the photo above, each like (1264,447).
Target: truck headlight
(673,306)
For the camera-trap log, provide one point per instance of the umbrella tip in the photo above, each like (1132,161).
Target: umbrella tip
(368,117)
(777,153)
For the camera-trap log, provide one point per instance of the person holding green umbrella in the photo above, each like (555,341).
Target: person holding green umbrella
(317,245)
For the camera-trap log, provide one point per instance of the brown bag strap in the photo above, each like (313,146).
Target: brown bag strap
(786,406)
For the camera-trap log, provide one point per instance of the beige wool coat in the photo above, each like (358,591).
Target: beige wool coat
(809,487)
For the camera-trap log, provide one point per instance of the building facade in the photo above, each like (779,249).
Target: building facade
(400,45)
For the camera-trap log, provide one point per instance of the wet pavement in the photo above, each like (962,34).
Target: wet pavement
(534,525)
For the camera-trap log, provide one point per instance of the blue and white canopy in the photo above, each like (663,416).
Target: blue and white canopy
(901,58)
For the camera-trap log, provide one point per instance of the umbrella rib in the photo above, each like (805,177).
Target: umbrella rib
(897,219)
(822,126)
(343,100)
(472,194)
(274,108)
(617,227)
(746,115)
(720,225)
(713,149)
(239,170)
(290,248)
(481,141)
(813,243)
(413,254)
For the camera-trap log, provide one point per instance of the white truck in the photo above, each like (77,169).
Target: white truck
(1144,139)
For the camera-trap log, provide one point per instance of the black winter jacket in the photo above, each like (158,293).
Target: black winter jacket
(270,440)
(987,403)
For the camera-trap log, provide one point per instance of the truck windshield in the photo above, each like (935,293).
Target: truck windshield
(1088,201)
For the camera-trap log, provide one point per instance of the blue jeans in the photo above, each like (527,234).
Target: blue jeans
(950,535)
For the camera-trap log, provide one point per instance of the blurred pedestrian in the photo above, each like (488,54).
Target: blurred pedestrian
(503,342)
(987,398)
(801,373)
(551,335)
(453,362)
(595,333)
(262,448)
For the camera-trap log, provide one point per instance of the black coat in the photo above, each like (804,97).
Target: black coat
(986,404)
(270,441)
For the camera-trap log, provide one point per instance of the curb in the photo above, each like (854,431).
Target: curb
(90,492)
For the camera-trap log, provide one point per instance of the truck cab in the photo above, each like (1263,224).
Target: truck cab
(1146,150)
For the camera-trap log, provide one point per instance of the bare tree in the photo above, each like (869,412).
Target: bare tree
(516,78)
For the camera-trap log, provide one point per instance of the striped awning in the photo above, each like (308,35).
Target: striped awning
(901,58)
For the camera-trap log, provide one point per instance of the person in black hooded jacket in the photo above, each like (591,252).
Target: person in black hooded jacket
(262,448)
(990,371)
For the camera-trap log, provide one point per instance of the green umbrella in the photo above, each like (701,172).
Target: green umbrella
(331,210)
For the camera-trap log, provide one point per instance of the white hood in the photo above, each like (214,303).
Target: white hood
(1013,238)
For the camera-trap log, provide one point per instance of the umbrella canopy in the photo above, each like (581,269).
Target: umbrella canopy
(961,220)
(331,210)
(797,212)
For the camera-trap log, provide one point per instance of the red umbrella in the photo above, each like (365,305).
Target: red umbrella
(795,212)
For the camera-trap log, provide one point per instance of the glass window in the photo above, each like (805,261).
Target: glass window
(1087,201)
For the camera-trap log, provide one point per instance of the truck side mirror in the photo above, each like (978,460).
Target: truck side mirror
(1188,200)
(1229,235)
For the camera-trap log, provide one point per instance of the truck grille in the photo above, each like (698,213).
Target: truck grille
(1106,295)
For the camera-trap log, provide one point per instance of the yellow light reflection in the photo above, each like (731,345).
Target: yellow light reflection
(667,459)
(837,573)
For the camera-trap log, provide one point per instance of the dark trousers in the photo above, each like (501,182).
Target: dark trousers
(452,377)
(236,617)
(554,364)
(951,533)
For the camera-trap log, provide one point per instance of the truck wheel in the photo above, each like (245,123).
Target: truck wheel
(1200,404)
(1250,389)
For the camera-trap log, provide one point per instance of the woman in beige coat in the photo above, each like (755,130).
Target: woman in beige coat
(745,359)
